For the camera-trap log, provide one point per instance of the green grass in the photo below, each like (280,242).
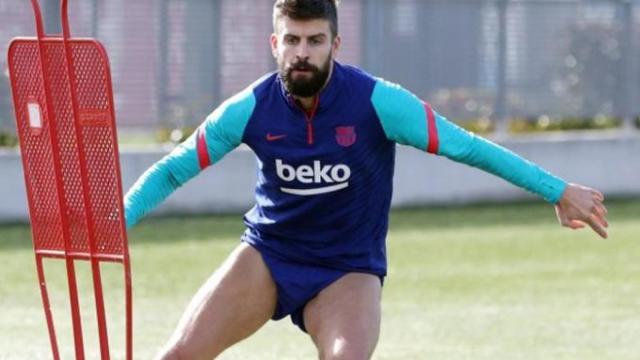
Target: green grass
(479,282)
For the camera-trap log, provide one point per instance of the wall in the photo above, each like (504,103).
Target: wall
(607,161)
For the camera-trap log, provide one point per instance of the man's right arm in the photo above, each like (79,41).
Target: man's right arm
(409,121)
(220,133)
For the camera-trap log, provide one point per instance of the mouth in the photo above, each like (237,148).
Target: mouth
(302,67)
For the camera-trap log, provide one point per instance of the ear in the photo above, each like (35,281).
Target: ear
(335,47)
(274,45)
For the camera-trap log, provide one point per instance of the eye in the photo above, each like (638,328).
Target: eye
(316,40)
(290,40)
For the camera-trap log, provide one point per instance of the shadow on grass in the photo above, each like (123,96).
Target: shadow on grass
(208,227)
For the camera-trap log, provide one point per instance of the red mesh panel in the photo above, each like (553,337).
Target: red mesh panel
(24,65)
(91,73)
(65,131)
(92,84)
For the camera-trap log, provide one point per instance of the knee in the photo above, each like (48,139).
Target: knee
(172,352)
(177,351)
(343,349)
(169,353)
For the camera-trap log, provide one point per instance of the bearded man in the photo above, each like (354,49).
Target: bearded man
(324,135)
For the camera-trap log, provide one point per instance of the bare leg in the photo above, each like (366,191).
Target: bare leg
(344,319)
(235,301)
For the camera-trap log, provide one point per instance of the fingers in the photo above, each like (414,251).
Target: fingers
(595,218)
(597,195)
(600,213)
(567,221)
(602,208)
(597,227)
(581,206)
(575,224)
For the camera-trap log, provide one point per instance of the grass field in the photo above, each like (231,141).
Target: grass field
(480,282)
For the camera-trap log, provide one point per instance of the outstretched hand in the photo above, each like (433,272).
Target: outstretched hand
(581,206)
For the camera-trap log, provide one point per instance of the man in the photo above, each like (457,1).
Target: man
(324,135)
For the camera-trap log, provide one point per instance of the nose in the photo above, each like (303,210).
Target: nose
(302,51)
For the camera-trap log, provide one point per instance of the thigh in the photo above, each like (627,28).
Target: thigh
(344,319)
(234,302)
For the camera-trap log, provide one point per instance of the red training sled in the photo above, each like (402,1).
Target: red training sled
(65,117)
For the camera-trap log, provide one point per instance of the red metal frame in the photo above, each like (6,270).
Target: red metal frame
(83,169)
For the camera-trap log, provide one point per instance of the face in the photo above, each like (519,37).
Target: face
(304,52)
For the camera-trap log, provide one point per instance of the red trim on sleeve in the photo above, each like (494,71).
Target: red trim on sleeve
(432,131)
(201,146)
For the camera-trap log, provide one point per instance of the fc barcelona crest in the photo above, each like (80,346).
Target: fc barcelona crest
(346,135)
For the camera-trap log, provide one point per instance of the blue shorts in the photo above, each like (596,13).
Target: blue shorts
(297,284)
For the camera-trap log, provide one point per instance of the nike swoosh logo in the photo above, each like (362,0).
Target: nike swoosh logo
(274,137)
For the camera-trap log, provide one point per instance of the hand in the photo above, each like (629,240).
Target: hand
(581,206)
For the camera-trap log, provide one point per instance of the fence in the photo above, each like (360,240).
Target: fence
(174,60)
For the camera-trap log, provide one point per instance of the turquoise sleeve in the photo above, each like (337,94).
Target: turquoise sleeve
(405,119)
(460,145)
(402,115)
(220,133)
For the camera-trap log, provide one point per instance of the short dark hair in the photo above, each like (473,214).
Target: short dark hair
(307,10)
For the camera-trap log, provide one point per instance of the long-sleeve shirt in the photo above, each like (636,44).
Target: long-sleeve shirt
(325,176)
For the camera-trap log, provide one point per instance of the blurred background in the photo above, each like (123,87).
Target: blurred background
(514,65)
(565,71)
(557,81)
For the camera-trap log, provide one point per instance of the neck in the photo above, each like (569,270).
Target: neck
(308,102)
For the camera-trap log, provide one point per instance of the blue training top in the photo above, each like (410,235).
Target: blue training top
(325,177)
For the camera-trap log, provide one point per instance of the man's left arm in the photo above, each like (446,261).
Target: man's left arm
(408,120)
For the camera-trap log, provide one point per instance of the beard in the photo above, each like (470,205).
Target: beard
(305,86)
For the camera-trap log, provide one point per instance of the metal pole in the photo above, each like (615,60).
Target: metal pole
(372,33)
(500,104)
(629,75)
(202,56)
(216,43)
(52,17)
(163,53)
(94,19)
